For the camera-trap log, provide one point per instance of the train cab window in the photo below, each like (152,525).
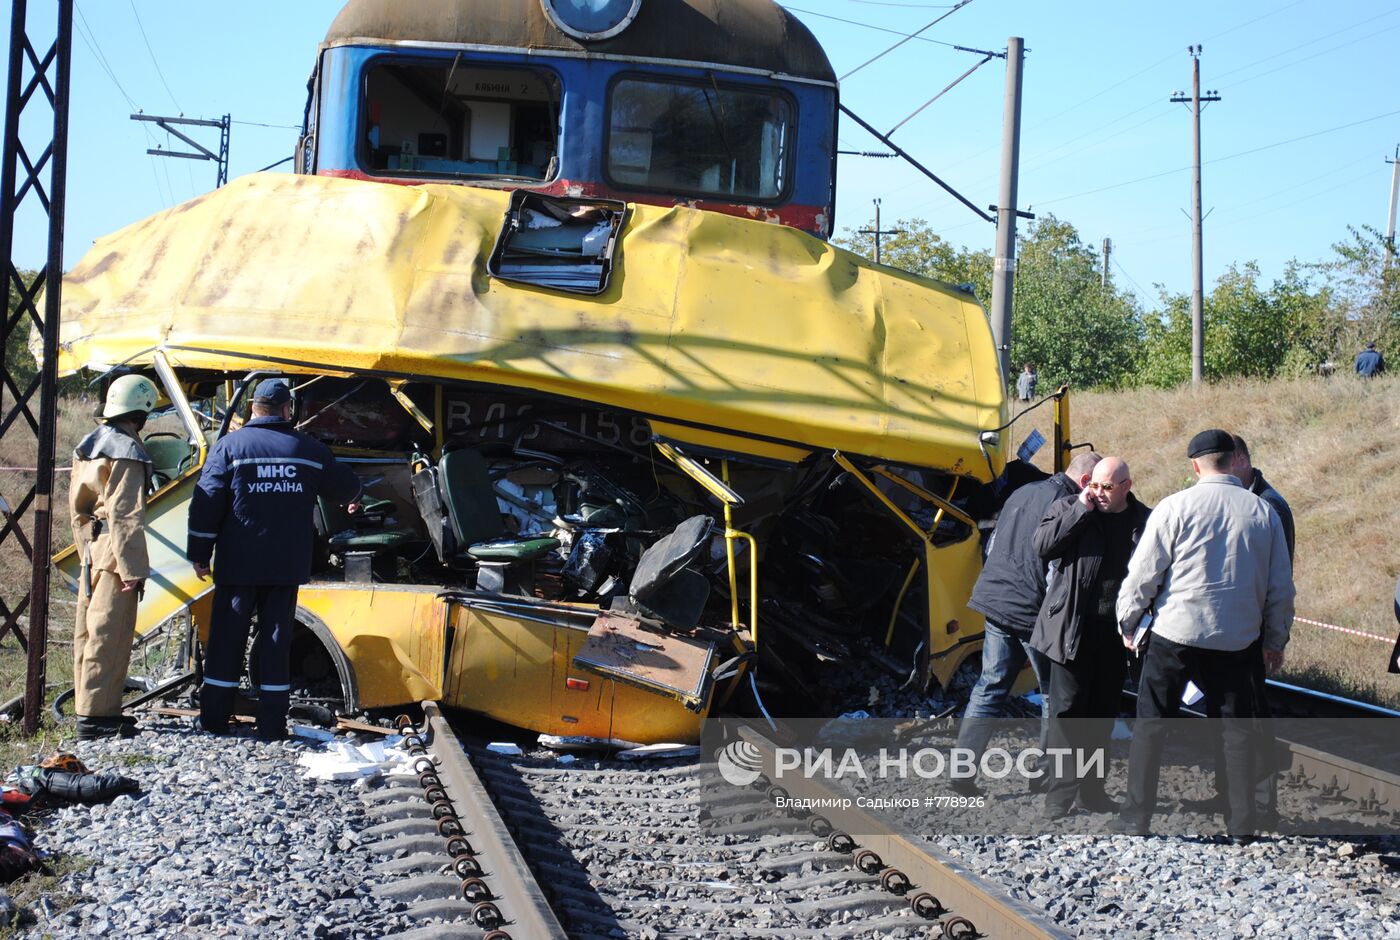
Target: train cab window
(706,139)
(458,121)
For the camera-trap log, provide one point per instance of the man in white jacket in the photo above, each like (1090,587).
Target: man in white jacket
(1213,569)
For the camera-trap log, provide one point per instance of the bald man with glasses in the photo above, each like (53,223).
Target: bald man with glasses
(1088,538)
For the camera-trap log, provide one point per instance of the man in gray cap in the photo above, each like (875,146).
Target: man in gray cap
(251,521)
(1212,567)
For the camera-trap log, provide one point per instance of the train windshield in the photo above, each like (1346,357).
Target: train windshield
(447,119)
(700,138)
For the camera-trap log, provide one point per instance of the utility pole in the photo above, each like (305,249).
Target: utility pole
(1198,327)
(29,413)
(1004,266)
(1103,275)
(879,232)
(1394,191)
(202,152)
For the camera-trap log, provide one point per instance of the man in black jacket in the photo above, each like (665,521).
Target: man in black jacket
(250,518)
(1088,539)
(1254,481)
(1008,593)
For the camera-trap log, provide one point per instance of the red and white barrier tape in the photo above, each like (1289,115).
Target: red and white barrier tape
(1333,626)
(34,469)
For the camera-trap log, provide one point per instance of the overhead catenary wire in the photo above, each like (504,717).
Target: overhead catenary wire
(946,88)
(878,29)
(147,41)
(89,38)
(880,55)
(911,6)
(1171,57)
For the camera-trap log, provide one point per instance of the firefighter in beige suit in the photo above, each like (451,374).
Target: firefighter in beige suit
(107,499)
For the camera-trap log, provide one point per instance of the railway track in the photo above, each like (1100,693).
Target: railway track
(482,844)
(1344,750)
(1335,749)
(514,847)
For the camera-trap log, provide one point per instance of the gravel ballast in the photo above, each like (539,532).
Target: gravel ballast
(225,839)
(228,839)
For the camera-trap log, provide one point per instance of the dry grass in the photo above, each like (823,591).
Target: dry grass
(17,449)
(1332,448)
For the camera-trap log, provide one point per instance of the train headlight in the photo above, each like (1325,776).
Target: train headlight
(591,19)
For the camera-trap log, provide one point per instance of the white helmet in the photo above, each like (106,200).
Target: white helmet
(129,393)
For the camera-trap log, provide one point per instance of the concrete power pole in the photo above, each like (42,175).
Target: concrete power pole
(1394,191)
(879,232)
(1103,275)
(1198,326)
(1004,266)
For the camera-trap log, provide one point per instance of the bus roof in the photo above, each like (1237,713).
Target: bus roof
(709,320)
(750,34)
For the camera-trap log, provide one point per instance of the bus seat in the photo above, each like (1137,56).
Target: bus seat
(662,586)
(170,455)
(459,506)
(347,533)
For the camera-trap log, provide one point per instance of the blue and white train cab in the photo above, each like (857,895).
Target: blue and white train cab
(727,105)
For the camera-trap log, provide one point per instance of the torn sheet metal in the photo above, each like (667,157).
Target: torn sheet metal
(619,646)
(710,320)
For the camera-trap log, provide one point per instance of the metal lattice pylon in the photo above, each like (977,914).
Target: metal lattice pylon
(35,81)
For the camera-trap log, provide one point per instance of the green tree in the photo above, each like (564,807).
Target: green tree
(1250,330)
(1072,325)
(918,250)
(19,362)
(20,365)
(1365,286)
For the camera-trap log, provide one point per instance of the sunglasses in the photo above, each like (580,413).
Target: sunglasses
(1106,487)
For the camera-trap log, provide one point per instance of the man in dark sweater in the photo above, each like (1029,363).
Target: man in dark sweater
(1008,593)
(1254,481)
(1089,538)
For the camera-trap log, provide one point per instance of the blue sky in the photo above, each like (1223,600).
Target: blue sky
(1294,153)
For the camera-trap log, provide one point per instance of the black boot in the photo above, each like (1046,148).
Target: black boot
(94,728)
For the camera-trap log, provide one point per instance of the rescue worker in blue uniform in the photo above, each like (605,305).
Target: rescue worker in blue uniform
(251,519)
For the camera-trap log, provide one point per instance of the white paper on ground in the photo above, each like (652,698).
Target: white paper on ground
(344,760)
(1191,694)
(312,734)
(505,747)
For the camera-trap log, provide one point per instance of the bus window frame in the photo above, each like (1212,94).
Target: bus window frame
(399,58)
(783,197)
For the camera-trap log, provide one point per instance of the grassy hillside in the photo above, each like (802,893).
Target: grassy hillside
(1332,448)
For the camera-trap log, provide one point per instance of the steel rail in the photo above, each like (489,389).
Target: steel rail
(1340,777)
(956,891)
(1370,787)
(513,888)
